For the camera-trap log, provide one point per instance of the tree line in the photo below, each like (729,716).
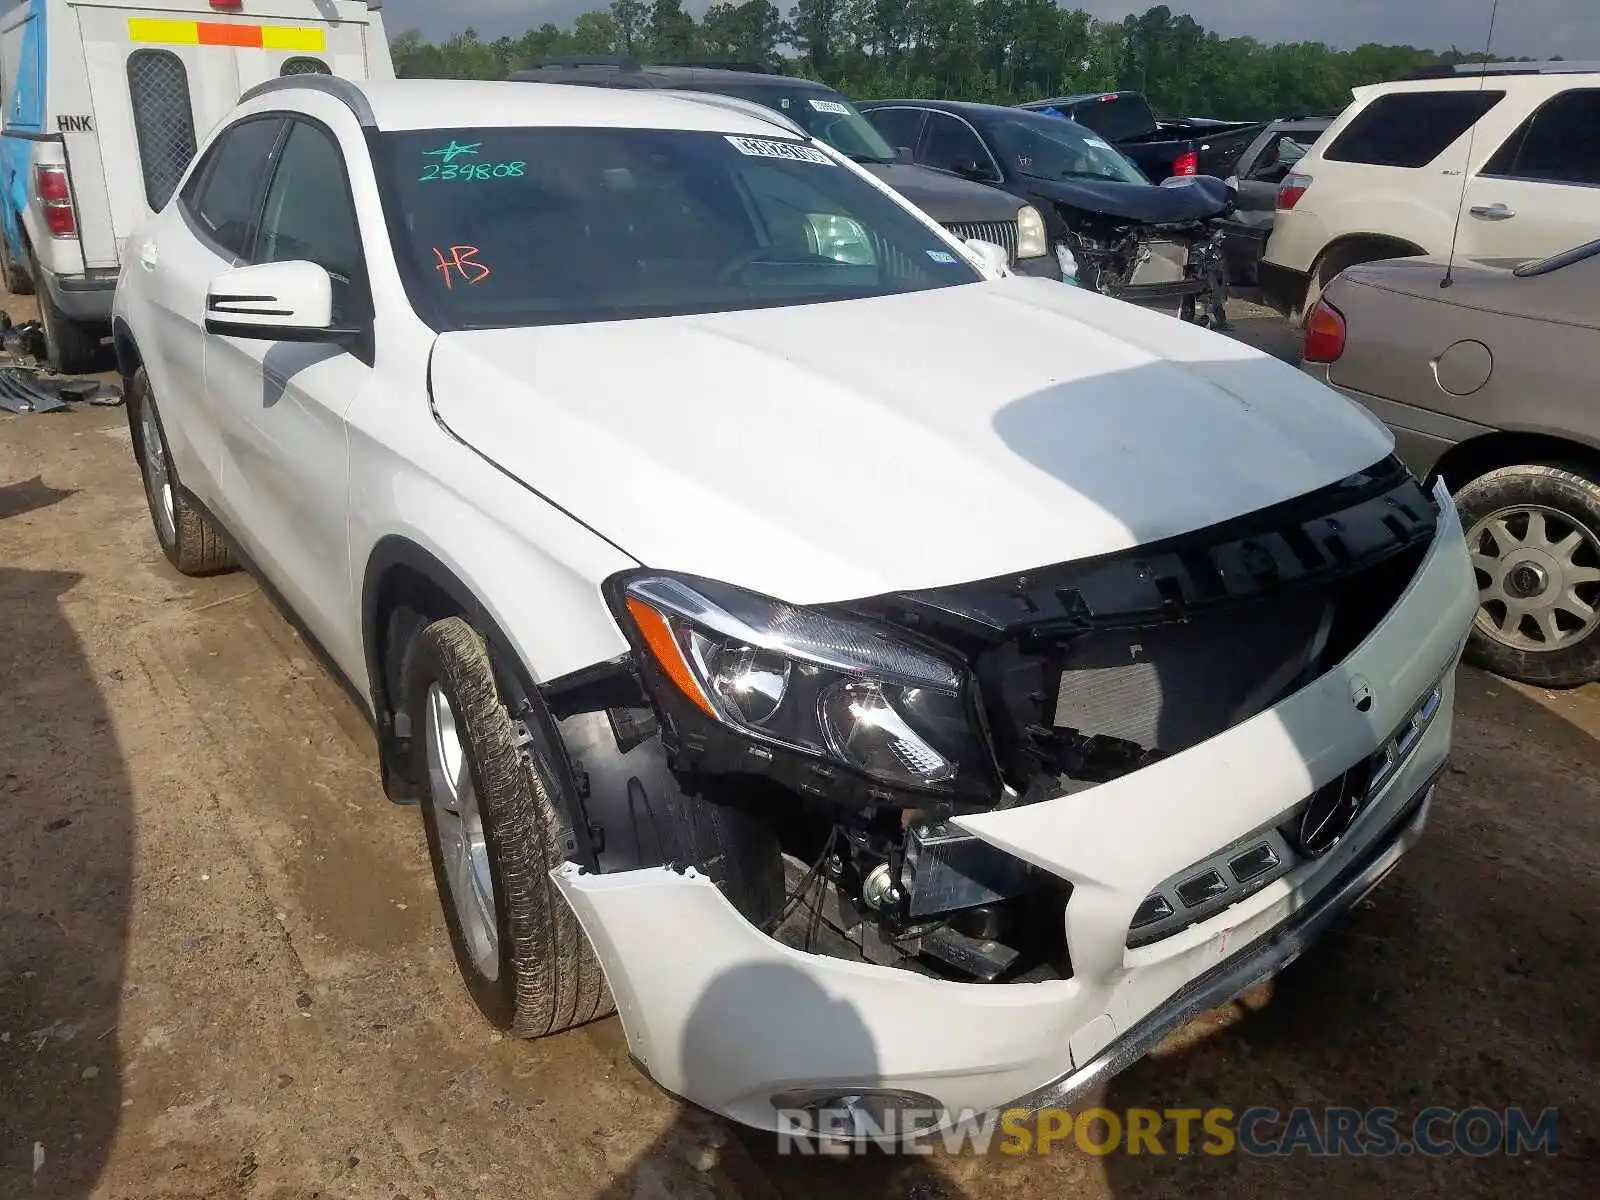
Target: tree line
(1000,51)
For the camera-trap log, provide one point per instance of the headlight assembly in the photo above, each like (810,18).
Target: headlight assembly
(831,687)
(1031,239)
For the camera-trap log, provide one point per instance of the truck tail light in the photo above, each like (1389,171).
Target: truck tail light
(1290,191)
(1325,331)
(1187,163)
(54,190)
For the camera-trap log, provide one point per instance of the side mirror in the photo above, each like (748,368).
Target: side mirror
(274,302)
(996,258)
(904,156)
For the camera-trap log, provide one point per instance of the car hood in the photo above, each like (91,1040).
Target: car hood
(948,199)
(836,451)
(1154,205)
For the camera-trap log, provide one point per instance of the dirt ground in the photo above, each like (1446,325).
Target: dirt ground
(223,971)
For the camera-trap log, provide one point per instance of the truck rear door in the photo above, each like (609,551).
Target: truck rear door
(162,77)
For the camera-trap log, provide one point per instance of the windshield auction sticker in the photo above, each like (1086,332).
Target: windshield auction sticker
(829,106)
(762,148)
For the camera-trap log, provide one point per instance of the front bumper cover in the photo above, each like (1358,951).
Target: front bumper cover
(727,1017)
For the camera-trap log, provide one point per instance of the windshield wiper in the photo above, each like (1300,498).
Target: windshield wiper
(872,159)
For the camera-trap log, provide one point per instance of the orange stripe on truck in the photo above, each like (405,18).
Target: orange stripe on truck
(214,33)
(227,33)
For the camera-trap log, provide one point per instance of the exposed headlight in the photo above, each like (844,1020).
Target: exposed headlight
(832,687)
(1031,239)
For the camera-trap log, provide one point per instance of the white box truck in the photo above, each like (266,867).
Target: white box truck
(105,101)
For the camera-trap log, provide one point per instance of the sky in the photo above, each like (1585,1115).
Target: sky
(1539,28)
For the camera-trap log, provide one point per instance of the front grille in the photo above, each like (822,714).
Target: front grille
(1001,233)
(1091,670)
(1312,829)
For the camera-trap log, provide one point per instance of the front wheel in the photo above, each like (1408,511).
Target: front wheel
(494,833)
(1534,536)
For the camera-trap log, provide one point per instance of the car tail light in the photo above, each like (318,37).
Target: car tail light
(1187,163)
(1290,191)
(1325,330)
(54,190)
(231,4)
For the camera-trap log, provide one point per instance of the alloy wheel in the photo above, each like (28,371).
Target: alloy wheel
(157,476)
(462,845)
(1538,573)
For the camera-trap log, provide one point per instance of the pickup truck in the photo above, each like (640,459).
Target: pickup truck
(1163,147)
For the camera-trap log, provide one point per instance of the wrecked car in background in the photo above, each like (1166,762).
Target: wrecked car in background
(1116,232)
(886,736)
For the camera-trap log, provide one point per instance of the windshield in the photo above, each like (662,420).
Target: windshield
(825,115)
(514,226)
(1057,148)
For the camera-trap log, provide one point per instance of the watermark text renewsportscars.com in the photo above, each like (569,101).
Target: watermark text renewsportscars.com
(1330,1132)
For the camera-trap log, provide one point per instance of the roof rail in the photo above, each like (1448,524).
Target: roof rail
(341,89)
(620,62)
(707,64)
(738,104)
(1474,70)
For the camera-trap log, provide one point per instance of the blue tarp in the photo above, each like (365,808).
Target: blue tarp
(25,114)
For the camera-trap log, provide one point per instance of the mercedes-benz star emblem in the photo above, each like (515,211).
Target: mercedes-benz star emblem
(1331,811)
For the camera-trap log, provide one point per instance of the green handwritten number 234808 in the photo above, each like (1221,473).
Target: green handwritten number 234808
(466,171)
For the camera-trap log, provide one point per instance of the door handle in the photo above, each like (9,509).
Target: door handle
(1492,212)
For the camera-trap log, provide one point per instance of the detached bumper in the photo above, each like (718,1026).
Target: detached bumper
(729,1018)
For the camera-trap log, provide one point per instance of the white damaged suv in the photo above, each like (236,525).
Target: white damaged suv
(899,687)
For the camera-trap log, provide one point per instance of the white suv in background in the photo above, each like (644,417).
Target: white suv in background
(1386,179)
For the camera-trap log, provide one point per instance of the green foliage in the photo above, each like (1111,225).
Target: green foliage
(1001,51)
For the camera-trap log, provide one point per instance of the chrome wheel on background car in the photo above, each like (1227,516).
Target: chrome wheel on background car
(1534,535)
(462,845)
(157,478)
(1538,577)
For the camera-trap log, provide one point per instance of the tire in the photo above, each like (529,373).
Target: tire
(537,974)
(72,348)
(1534,535)
(186,537)
(15,278)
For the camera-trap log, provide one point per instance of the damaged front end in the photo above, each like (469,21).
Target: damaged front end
(915,765)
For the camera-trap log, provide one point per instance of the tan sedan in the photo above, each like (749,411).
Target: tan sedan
(1493,383)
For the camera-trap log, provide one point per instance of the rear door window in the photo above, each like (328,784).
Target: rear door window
(899,126)
(224,195)
(1410,129)
(949,141)
(1560,143)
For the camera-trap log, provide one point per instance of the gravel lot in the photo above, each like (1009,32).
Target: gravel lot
(223,972)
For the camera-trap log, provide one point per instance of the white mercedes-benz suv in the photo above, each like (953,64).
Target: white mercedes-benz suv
(896,686)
